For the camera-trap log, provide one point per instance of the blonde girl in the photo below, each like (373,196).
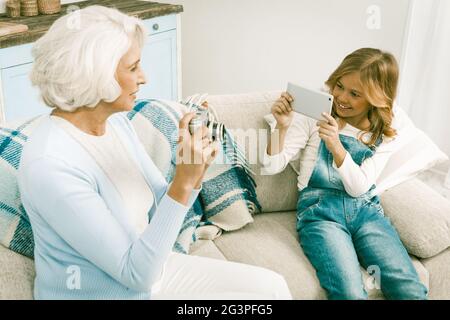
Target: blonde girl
(340,222)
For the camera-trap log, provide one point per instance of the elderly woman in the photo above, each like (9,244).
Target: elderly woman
(89,187)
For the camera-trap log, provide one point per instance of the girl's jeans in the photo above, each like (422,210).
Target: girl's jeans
(338,233)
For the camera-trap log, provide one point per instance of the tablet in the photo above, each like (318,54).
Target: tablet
(311,103)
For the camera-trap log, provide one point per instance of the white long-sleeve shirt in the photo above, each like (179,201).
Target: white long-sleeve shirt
(112,156)
(87,245)
(302,140)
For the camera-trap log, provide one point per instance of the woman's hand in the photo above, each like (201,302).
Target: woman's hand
(194,155)
(282,111)
(329,133)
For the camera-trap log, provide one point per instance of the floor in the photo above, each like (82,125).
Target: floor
(435,178)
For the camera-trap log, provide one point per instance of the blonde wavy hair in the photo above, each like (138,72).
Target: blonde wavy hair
(379,73)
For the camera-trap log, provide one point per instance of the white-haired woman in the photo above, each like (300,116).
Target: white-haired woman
(88,185)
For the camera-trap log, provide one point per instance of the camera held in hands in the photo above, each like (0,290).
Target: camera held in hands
(204,118)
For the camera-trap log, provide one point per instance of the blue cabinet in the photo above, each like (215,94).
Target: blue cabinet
(159,60)
(19,100)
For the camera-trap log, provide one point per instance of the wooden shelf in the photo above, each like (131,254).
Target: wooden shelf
(38,25)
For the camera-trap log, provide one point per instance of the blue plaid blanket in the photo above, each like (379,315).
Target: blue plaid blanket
(15,228)
(228,197)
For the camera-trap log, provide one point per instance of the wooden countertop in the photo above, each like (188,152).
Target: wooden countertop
(38,25)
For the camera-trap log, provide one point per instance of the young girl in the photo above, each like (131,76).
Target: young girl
(340,222)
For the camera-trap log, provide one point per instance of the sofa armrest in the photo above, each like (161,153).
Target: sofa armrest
(421,217)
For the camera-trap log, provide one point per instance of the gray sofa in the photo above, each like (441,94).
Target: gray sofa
(420,215)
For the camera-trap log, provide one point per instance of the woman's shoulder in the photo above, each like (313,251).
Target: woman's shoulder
(40,140)
(49,141)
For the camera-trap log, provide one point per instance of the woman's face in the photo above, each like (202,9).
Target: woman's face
(129,75)
(349,101)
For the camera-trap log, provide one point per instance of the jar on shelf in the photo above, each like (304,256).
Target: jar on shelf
(29,8)
(13,8)
(49,6)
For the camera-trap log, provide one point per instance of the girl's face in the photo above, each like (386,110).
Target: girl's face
(349,101)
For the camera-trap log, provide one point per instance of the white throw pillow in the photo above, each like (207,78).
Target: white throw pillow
(415,153)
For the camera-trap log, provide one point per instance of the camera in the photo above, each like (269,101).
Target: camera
(204,118)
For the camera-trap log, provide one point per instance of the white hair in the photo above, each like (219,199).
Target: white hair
(76,60)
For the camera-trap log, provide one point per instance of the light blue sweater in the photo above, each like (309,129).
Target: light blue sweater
(85,245)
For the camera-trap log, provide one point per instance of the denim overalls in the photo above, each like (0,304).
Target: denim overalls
(338,233)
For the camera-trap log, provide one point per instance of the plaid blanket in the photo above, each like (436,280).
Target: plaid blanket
(228,197)
(15,228)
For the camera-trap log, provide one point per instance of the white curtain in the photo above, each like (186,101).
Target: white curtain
(425,70)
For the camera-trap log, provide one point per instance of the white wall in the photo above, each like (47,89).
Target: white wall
(237,46)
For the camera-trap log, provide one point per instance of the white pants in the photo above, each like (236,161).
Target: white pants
(198,278)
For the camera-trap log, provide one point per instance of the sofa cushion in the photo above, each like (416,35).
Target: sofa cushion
(439,270)
(16,275)
(421,217)
(243,115)
(206,248)
(272,242)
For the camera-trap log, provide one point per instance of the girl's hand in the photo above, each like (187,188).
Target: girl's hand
(329,133)
(282,111)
